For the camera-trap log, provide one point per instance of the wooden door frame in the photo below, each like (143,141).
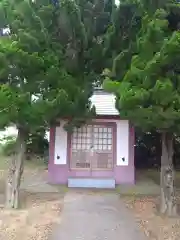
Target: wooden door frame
(114,139)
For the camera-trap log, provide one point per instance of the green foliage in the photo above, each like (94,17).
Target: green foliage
(119,42)
(53,54)
(36,145)
(149,92)
(8,148)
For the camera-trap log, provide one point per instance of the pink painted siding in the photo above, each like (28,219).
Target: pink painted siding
(61,173)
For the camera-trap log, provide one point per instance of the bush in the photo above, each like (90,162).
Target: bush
(8,147)
(37,146)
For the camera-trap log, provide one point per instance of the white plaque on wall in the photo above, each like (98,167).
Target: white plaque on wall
(122,143)
(60,148)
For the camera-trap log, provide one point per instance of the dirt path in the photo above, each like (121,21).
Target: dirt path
(96,216)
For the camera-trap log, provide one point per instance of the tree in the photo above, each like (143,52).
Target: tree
(80,28)
(47,69)
(120,38)
(149,92)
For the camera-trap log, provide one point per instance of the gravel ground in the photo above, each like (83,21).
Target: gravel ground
(98,216)
(39,210)
(34,221)
(154,226)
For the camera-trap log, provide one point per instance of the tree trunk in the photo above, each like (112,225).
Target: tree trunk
(15,171)
(168,201)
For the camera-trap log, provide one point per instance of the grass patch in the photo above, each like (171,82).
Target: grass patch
(154,175)
(35,163)
(3,162)
(138,190)
(28,164)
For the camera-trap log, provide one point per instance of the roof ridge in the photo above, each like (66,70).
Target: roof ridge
(104,102)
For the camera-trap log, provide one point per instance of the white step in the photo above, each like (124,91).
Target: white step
(91,183)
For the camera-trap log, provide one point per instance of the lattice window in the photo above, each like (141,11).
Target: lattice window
(92,147)
(81,141)
(81,138)
(102,160)
(102,138)
(80,160)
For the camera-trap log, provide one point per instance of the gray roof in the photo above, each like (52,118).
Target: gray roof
(104,103)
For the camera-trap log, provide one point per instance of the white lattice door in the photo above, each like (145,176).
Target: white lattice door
(92,148)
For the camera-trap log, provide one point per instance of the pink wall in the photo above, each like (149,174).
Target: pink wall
(60,173)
